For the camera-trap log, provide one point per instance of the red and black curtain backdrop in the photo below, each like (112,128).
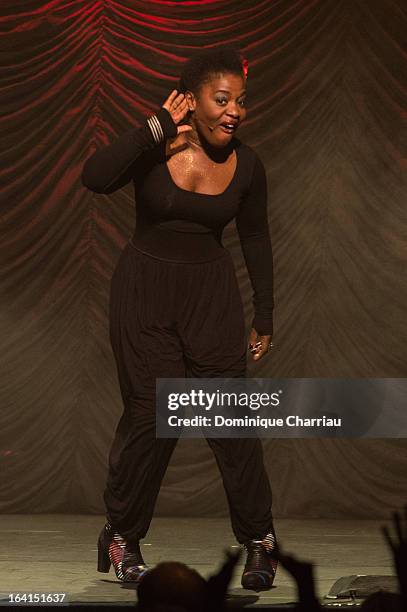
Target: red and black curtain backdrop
(327,109)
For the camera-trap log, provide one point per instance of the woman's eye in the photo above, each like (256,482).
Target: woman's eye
(224,100)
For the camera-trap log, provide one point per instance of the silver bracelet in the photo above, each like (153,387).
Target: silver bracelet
(156,129)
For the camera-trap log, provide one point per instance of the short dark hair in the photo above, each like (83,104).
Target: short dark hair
(203,66)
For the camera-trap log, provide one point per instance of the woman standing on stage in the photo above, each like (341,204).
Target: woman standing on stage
(175,305)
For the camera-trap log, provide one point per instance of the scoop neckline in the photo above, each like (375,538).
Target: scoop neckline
(207,195)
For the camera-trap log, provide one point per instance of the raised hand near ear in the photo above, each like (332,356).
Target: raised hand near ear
(176,104)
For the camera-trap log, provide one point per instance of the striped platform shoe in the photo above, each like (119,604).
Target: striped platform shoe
(261,564)
(127,559)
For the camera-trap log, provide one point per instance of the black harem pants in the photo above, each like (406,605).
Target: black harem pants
(168,319)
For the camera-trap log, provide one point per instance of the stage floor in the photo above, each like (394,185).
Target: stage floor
(57,554)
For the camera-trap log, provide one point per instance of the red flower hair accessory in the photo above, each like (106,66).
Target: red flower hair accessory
(245,67)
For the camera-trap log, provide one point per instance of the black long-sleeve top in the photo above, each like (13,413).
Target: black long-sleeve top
(161,204)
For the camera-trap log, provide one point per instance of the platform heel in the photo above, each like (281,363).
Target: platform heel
(126,557)
(104,562)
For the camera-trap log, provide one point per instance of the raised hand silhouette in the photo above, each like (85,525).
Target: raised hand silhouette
(303,574)
(398,546)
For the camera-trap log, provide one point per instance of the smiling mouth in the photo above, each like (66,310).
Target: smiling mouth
(229,129)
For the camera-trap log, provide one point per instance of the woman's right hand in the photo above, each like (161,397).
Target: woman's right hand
(177,106)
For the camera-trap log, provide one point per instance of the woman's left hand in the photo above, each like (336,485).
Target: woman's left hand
(259,345)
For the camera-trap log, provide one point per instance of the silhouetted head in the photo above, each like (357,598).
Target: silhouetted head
(172,584)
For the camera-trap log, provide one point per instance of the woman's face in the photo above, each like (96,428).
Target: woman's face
(219,103)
